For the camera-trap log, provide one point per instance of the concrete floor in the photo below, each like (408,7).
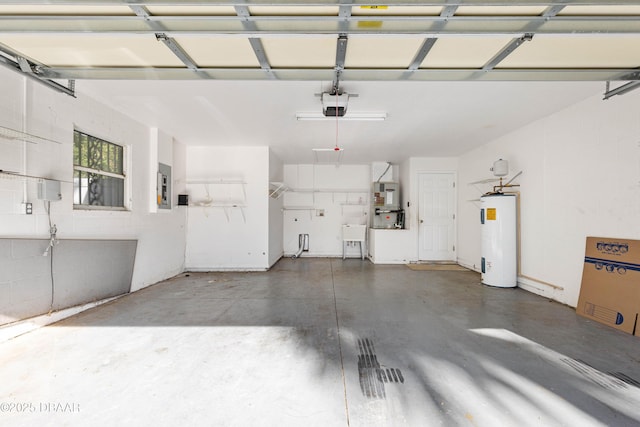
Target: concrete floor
(323,342)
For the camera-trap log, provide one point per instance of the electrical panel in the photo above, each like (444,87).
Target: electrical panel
(49,189)
(164,186)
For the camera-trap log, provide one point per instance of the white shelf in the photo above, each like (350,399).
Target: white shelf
(216,181)
(217,205)
(16,135)
(231,202)
(485,181)
(279,188)
(328,190)
(224,207)
(298,208)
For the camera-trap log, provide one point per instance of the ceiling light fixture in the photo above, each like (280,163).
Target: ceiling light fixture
(351,116)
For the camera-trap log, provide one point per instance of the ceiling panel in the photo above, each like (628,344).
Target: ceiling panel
(576,52)
(294,10)
(219,51)
(463,52)
(94,50)
(397,11)
(600,10)
(379,52)
(498,10)
(65,10)
(304,52)
(191,10)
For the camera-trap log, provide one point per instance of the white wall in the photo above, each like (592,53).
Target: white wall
(339,192)
(232,238)
(401,246)
(276,224)
(35,109)
(581,177)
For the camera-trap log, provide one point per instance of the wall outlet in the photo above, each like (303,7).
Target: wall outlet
(28,208)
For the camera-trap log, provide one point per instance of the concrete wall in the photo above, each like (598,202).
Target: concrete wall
(30,107)
(581,177)
(219,235)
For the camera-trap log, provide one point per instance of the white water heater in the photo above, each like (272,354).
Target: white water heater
(499,245)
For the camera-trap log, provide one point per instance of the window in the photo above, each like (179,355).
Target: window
(98,173)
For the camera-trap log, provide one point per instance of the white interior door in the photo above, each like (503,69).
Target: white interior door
(436,217)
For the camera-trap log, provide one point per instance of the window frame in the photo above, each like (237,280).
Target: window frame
(124,177)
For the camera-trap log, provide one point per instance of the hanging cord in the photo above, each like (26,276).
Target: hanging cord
(53,230)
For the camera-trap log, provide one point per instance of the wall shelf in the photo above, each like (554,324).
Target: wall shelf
(220,203)
(328,190)
(278,189)
(298,208)
(22,177)
(226,208)
(216,181)
(16,135)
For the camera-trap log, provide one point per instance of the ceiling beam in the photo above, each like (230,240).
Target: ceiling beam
(172,44)
(549,13)
(341,53)
(344,12)
(256,44)
(621,90)
(261,26)
(250,3)
(31,70)
(424,50)
(319,74)
(506,51)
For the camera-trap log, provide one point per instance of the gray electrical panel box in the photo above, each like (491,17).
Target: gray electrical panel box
(164,186)
(49,189)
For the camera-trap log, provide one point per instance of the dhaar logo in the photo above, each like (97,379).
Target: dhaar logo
(612,248)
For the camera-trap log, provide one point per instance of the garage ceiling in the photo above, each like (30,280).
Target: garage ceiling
(335,43)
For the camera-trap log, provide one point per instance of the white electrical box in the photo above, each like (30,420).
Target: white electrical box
(49,190)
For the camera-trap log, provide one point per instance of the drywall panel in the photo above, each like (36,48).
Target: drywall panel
(228,216)
(581,177)
(73,273)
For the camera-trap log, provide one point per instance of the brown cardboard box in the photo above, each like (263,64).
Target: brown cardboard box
(610,290)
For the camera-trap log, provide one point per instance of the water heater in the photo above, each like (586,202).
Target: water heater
(499,245)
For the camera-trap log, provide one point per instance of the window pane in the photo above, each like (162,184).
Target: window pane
(77,187)
(104,191)
(96,189)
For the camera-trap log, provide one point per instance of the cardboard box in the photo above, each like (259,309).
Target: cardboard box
(610,290)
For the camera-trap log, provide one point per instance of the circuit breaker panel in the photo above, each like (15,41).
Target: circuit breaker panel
(164,186)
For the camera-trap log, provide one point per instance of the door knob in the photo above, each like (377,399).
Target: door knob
(421,221)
